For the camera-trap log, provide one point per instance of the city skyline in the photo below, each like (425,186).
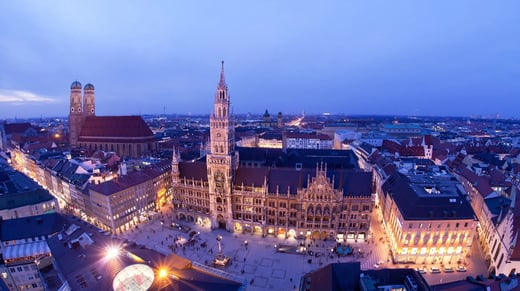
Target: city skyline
(403,58)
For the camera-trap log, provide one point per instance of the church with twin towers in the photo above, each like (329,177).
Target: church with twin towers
(127,136)
(296,193)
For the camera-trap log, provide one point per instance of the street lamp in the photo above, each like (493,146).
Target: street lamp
(245,244)
(163,273)
(112,252)
(219,238)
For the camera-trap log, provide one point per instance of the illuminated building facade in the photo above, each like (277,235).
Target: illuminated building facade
(296,193)
(427,218)
(119,204)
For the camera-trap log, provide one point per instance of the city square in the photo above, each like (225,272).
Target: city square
(254,259)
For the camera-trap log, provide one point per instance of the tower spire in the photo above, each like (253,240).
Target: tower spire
(222,83)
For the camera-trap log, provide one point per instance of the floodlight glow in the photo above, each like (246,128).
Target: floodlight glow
(163,273)
(112,252)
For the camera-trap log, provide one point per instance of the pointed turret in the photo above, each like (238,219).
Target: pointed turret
(222,83)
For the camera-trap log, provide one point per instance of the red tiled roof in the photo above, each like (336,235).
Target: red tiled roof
(196,170)
(412,151)
(115,127)
(391,146)
(126,181)
(11,128)
(251,176)
(121,183)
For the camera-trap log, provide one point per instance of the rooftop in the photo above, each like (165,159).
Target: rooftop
(31,226)
(422,197)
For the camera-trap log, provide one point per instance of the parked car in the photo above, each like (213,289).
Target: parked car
(435,270)
(421,270)
(461,268)
(448,269)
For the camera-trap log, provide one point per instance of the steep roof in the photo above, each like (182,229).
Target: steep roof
(126,181)
(288,180)
(115,127)
(11,128)
(195,170)
(251,176)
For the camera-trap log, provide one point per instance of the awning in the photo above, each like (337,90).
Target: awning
(26,250)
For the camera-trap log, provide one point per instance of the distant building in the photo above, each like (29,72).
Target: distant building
(125,135)
(401,128)
(299,140)
(270,139)
(341,135)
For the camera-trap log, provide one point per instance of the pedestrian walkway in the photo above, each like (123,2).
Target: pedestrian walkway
(253,259)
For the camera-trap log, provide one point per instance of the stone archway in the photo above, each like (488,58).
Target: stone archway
(221,222)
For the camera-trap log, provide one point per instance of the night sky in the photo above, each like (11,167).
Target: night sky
(448,58)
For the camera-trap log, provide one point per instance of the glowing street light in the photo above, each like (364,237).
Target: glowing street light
(163,273)
(112,252)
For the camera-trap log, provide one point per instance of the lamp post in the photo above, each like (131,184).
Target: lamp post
(219,238)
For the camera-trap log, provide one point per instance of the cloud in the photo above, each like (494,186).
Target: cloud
(19,97)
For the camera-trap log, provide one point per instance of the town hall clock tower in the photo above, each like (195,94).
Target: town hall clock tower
(222,161)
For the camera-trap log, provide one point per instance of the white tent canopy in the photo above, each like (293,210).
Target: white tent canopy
(26,250)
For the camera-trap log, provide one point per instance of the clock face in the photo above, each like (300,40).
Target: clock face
(79,109)
(91,110)
(218,134)
(72,109)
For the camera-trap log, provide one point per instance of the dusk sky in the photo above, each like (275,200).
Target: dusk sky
(449,58)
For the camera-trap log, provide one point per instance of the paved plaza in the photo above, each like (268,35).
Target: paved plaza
(254,259)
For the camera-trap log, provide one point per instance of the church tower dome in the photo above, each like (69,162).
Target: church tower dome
(75,112)
(89,104)
(75,85)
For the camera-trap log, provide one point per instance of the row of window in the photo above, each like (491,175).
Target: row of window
(429,225)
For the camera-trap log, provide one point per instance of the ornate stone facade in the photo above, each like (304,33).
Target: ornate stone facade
(317,203)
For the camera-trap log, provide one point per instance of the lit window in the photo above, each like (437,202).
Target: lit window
(423,251)
(404,251)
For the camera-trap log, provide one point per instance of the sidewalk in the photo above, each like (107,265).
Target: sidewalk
(256,261)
